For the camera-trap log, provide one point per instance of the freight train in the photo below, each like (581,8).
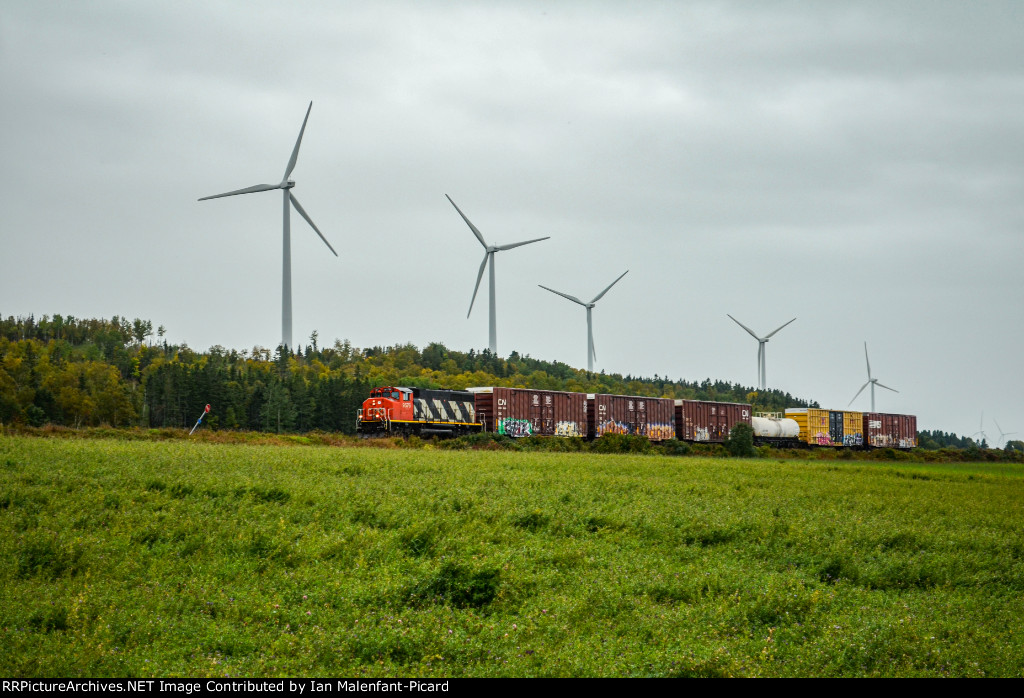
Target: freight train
(519,412)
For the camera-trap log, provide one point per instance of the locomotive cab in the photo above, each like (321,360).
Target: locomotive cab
(385,405)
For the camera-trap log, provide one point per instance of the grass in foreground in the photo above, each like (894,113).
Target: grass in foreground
(167,559)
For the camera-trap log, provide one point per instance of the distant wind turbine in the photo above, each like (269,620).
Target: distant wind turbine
(871,381)
(289,200)
(761,341)
(589,306)
(981,430)
(489,251)
(1003,434)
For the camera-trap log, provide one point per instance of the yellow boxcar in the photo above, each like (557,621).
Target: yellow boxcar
(820,427)
(813,425)
(853,428)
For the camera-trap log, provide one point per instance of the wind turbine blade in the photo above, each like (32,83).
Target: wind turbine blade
(859,392)
(768,336)
(302,212)
(886,387)
(745,327)
(295,151)
(247,190)
(867,360)
(479,277)
(574,299)
(479,235)
(601,294)
(519,244)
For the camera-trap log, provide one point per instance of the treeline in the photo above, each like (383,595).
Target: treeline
(74,372)
(939,439)
(88,372)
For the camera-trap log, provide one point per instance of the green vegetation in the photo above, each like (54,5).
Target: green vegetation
(171,557)
(741,441)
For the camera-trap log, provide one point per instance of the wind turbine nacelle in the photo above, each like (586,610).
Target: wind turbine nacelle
(288,184)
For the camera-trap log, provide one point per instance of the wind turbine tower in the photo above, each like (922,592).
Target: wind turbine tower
(871,381)
(489,251)
(761,341)
(981,430)
(590,326)
(285,186)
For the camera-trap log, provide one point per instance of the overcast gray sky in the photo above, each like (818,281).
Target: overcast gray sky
(857,165)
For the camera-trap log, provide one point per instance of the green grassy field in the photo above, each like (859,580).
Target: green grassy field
(187,559)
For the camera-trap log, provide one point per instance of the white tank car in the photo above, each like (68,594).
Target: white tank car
(772,428)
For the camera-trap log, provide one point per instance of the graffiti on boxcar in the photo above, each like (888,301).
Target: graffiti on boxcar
(610,426)
(515,428)
(823,438)
(567,429)
(661,432)
(702,434)
(853,440)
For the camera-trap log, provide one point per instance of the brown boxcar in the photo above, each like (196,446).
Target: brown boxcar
(651,417)
(528,412)
(890,430)
(701,420)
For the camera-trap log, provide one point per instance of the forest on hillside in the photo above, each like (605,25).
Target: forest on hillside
(78,372)
(90,372)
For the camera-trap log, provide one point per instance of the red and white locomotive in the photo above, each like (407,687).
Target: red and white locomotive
(407,411)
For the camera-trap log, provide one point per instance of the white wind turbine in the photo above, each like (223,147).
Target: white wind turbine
(1003,434)
(589,306)
(489,251)
(761,341)
(981,430)
(289,200)
(871,381)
